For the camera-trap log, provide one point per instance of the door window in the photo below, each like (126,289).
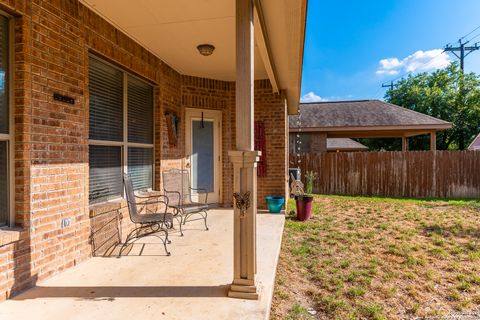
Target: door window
(202,155)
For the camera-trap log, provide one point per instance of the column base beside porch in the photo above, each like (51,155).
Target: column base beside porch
(244,289)
(244,285)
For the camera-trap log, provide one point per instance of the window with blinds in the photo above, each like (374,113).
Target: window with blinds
(140,104)
(106,102)
(105,173)
(140,167)
(5,138)
(118,146)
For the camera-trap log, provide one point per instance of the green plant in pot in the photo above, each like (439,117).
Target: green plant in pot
(304,201)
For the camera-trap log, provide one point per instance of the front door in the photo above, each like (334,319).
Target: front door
(203,147)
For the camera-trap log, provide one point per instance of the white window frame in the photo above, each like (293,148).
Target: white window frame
(9,137)
(125,144)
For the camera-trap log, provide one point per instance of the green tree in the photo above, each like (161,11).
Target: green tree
(447,94)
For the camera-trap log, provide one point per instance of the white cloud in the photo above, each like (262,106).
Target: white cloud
(420,61)
(311,97)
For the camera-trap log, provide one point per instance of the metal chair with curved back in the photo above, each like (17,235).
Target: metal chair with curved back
(151,223)
(176,185)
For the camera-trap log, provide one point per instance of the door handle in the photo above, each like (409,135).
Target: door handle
(187,165)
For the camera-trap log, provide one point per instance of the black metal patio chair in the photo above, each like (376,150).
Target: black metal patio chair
(176,186)
(150,222)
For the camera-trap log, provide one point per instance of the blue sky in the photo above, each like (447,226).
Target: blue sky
(353,46)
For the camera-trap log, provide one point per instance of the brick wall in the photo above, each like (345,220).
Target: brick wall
(53,40)
(49,143)
(167,156)
(271,109)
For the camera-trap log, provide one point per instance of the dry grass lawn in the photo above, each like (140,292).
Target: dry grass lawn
(373,258)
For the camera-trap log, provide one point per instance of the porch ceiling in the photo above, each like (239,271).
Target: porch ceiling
(172,29)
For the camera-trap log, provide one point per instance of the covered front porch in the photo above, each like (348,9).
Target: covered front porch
(144,283)
(105,89)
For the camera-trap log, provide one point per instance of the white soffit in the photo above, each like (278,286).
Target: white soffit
(172,29)
(285,23)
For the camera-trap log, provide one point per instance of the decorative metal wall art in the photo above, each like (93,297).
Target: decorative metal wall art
(242,202)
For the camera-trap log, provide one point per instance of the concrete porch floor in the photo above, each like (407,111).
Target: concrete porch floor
(190,284)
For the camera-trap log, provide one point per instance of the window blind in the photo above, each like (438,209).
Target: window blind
(106,102)
(140,167)
(105,172)
(3,183)
(140,111)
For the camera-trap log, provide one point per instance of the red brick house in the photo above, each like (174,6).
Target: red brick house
(94,89)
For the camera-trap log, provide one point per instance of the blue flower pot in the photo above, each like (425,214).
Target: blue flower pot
(275,203)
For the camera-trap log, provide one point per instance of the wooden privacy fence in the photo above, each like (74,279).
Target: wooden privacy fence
(415,174)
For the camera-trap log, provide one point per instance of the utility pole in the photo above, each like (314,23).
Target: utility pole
(463,51)
(385,85)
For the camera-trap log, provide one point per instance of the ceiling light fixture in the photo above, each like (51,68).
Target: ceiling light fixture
(205,49)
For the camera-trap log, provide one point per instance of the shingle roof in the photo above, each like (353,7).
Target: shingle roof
(475,145)
(344,144)
(360,113)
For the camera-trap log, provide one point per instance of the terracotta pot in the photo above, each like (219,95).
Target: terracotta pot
(304,207)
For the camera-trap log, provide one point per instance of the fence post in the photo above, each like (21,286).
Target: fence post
(434,176)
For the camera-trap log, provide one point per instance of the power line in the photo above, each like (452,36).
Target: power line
(478,34)
(468,34)
(463,50)
(403,75)
(390,84)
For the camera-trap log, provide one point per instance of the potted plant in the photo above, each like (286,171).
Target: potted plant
(275,203)
(304,201)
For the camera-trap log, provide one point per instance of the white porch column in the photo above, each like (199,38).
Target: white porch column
(244,159)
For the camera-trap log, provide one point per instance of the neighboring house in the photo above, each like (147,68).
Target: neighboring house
(475,145)
(102,88)
(333,144)
(360,119)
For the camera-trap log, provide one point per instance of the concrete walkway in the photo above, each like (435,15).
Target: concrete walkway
(190,284)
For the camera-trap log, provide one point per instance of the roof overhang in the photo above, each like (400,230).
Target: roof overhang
(172,30)
(285,22)
(376,131)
